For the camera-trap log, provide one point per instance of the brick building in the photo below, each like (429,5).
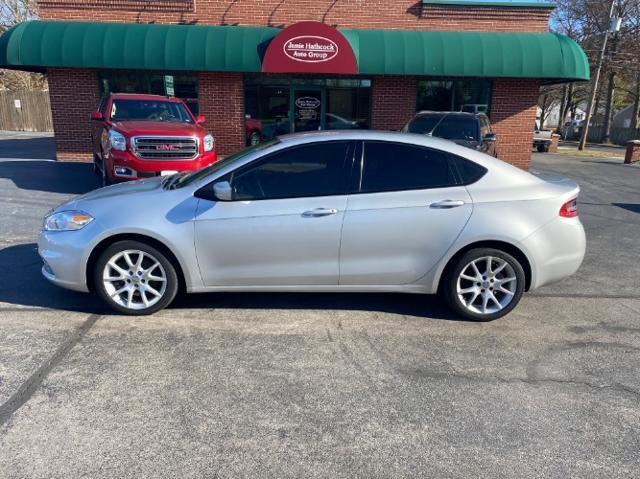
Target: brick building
(233,62)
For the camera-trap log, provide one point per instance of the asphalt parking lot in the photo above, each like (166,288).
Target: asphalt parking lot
(298,385)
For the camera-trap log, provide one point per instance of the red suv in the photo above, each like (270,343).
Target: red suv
(138,136)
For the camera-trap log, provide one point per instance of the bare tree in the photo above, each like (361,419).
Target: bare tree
(13,12)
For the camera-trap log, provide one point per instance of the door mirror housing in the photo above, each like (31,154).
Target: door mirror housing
(200,119)
(96,116)
(490,137)
(222,191)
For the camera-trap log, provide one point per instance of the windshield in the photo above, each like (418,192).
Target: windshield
(154,110)
(457,128)
(423,124)
(451,127)
(218,165)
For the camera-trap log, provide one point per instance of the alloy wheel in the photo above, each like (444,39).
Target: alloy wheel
(134,279)
(486,285)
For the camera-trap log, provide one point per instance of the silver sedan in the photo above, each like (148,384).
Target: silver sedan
(327,211)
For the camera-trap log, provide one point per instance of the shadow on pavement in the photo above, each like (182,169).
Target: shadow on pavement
(51,176)
(40,148)
(633,207)
(21,283)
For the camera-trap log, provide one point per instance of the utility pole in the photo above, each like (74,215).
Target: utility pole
(596,78)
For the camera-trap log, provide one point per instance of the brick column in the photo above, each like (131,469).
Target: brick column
(74,94)
(221,101)
(393,101)
(513,117)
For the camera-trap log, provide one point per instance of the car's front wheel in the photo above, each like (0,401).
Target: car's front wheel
(484,284)
(134,278)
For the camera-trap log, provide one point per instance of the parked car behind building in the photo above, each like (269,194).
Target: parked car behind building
(139,136)
(472,130)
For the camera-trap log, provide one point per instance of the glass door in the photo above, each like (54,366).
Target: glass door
(308,109)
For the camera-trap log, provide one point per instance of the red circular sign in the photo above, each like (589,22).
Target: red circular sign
(310,47)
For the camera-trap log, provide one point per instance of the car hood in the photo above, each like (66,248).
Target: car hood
(122,191)
(165,128)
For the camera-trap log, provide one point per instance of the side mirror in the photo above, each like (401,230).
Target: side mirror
(96,116)
(200,119)
(222,191)
(490,137)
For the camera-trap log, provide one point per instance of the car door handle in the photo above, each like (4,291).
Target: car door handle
(318,212)
(446,204)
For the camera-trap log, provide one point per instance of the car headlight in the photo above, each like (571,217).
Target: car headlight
(209,142)
(66,221)
(117,141)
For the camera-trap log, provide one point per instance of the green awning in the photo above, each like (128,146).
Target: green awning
(546,56)
(37,45)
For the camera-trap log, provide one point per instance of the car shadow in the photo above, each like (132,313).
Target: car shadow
(40,147)
(22,284)
(51,176)
(633,207)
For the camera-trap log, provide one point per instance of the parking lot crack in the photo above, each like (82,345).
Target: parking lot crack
(31,385)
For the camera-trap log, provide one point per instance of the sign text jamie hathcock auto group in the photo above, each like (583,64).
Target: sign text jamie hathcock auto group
(310,49)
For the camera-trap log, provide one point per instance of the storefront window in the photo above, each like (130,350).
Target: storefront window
(277,105)
(167,84)
(472,96)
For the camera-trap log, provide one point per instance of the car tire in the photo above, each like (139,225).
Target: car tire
(481,293)
(106,180)
(254,139)
(135,286)
(543,149)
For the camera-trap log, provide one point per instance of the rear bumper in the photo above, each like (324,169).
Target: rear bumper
(541,142)
(126,166)
(556,250)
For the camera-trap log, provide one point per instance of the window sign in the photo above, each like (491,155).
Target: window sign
(168,85)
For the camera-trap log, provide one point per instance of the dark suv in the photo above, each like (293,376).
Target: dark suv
(472,130)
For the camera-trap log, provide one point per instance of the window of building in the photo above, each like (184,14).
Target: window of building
(473,96)
(309,170)
(167,84)
(397,166)
(279,105)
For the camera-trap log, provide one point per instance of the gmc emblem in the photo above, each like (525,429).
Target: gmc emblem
(166,147)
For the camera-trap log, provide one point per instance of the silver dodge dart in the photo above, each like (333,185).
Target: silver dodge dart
(326,211)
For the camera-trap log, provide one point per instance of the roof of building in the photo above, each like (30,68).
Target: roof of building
(37,45)
(492,3)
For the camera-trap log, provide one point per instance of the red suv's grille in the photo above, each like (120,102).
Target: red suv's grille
(165,148)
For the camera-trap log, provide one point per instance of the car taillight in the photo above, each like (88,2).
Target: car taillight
(569,209)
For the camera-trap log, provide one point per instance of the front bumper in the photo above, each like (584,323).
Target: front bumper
(124,165)
(64,256)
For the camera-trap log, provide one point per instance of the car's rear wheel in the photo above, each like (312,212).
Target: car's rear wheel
(134,278)
(484,284)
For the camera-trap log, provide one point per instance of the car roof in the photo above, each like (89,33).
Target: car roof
(144,96)
(449,113)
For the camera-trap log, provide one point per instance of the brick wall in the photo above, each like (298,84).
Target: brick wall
(513,116)
(221,101)
(405,14)
(74,94)
(393,101)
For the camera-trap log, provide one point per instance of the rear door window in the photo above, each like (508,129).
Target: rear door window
(396,166)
